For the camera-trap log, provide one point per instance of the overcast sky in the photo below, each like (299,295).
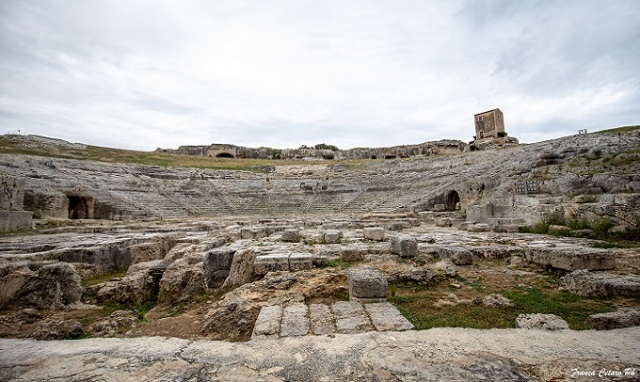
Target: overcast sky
(353,73)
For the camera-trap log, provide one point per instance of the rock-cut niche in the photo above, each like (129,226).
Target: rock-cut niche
(81,207)
(452,201)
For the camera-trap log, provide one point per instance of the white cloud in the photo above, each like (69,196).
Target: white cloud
(144,74)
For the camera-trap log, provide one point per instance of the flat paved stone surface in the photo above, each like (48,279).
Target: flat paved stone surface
(351,317)
(441,354)
(295,321)
(322,319)
(268,322)
(344,317)
(385,317)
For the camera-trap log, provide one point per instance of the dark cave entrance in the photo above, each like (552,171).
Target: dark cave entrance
(224,155)
(81,207)
(452,201)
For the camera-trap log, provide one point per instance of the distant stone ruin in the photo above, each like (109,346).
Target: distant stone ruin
(442,147)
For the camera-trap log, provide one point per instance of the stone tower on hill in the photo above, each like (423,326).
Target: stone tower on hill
(489,124)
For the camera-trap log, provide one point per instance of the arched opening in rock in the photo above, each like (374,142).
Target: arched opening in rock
(389,157)
(81,207)
(452,201)
(224,155)
(374,157)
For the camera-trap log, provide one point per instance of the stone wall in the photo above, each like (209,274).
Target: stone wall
(12,216)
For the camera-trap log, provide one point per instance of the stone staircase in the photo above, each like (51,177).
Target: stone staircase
(342,317)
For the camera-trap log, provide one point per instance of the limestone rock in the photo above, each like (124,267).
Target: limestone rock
(366,283)
(217,265)
(271,262)
(291,235)
(541,321)
(570,258)
(333,236)
(57,330)
(268,321)
(385,317)
(417,275)
(118,322)
(183,280)
(295,320)
(460,256)
(131,289)
(241,271)
(51,287)
(446,267)
(623,318)
(155,249)
(373,233)
(495,300)
(404,246)
(600,284)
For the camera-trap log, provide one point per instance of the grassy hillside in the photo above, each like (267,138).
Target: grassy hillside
(16,145)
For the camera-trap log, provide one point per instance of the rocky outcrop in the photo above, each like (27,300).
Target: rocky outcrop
(182,280)
(624,317)
(600,284)
(569,258)
(541,321)
(51,287)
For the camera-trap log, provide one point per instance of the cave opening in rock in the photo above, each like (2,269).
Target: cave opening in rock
(224,155)
(452,201)
(80,207)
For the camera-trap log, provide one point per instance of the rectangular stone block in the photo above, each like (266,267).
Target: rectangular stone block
(385,317)
(295,321)
(404,246)
(291,235)
(332,237)
(366,283)
(350,317)
(15,220)
(300,261)
(268,322)
(373,233)
(322,320)
(271,263)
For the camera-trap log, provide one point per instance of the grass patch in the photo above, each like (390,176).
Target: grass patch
(421,311)
(622,129)
(103,278)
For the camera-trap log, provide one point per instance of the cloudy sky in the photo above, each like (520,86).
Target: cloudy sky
(354,73)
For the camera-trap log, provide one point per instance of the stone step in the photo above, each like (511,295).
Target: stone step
(344,317)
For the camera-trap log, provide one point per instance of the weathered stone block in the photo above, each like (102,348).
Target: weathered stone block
(559,230)
(217,265)
(404,246)
(300,261)
(541,321)
(350,317)
(366,283)
(332,236)
(570,258)
(295,321)
(321,320)
(247,233)
(268,322)
(396,226)
(479,227)
(385,317)
(271,263)
(291,235)
(15,220)
(624,317)
(373,233)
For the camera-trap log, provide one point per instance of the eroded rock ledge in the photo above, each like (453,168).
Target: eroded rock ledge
(430,355)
